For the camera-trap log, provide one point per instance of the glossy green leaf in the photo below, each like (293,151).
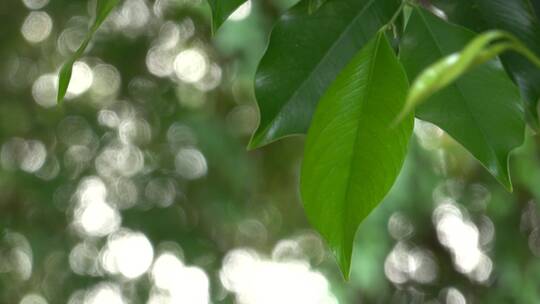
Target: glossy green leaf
(483,48)
(221,10)
(517,17)
(307,50)
(103,8)
(353,154)
(481,110)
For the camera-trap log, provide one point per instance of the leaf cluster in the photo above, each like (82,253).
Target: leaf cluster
(339,72)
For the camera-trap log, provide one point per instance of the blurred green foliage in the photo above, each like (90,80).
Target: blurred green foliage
(145,152)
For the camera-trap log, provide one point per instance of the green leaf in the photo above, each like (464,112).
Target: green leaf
(483,48)
(353,154)
(517,17)
(314,5)
(305,54)
(103,8)
(536,7)
(221,10)
(481,110)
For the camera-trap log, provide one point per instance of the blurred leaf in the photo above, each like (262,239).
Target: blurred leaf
(353,155)
(305,54)
(103,8)
(520,19)
(314,5)
(527,165)
(536,6)
(445,71)
(481,110)
(221,10)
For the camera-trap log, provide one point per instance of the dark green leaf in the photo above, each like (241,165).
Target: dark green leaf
(221,10)
(305,54)
(481,110)
(315,5)
(536,6)
(353,154)
(520,19)
(483,48)
(103,8)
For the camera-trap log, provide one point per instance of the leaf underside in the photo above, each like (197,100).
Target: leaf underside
(353,153)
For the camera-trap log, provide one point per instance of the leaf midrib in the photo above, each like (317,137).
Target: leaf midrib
(358,129)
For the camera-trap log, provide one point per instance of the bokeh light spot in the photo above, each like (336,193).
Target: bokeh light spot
(190,65)
(128,253)
(37,27)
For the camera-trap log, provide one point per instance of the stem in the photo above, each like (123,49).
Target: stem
(513,44)
(520,48)
(395,16)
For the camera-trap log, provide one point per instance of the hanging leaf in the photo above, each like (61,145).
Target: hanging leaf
(307,50)
(353,154)
(483,48)
(517,17)
(481,110)
(103,8)
(221,10)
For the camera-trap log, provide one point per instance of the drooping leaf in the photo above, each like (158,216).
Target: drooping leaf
(483,48)
(305,54)
(103,8)
(517,17)
(353,154)
(221,10)
(481,110)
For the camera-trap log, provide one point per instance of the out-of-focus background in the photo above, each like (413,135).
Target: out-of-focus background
(140,190)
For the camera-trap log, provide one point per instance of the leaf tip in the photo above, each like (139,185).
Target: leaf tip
(261,138)
(345,266)
(214,26)
(507,183)
(343,256)
(64,77)
(502,175)
(254,143)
